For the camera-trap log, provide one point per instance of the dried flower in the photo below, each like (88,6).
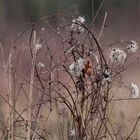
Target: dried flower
(106,76)
(77,25)
(89,52)
(37,47)
(58,30)
(81,19)
(77,67)
(72,133)
(134,90)
(117,55)
(74,27)
(41,65)
(98,69)
(81,29)
(132,46)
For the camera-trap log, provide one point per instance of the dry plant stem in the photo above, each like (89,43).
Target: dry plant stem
(50,75)
(61,134)
(125,68)
(98,47)
(10,134)
(28,82)
(96,15)
(103,25)
(30,98)
(6,77)
(19,115)
(93,21)
(14,100)
(82,100)
(40,99)
(31,91)
(11,89)
(80,118)
(64,99)
(42,93)
(43,88)
(133,129)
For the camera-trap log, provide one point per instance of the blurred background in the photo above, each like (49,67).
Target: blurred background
(123,21)
(123,15)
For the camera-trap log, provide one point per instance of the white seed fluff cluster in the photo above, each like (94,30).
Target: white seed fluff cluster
(37,47)
(76,24)
(72,133)
(81,19)
(41,65)
(77,67)
(132,46)
(134,90)
(117,55)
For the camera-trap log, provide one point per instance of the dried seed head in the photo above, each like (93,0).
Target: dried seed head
(37,47)
(134,90)
(76,67)
(117,55)
(76,25)
(132,46)
(72,133)
(41,65)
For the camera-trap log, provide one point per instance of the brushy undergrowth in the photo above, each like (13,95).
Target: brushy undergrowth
(72,84)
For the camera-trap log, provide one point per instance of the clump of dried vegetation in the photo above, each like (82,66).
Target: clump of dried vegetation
(72,83)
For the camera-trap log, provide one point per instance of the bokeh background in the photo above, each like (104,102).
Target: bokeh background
(123,15)
(123,23)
